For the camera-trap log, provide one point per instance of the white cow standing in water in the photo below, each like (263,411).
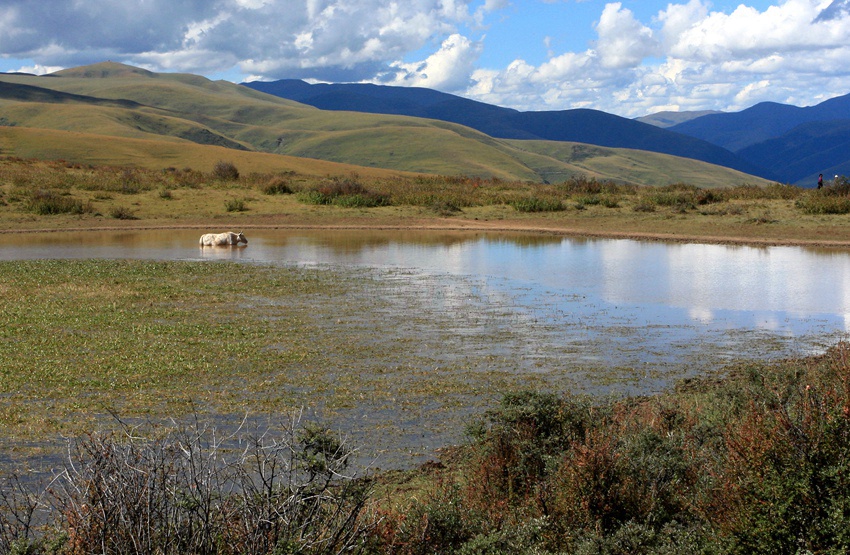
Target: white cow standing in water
(222,239)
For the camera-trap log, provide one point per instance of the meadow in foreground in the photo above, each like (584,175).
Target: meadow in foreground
(757,462)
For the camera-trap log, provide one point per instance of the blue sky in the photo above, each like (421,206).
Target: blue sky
(629,58)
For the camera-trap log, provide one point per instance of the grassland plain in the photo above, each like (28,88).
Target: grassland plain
(85,340)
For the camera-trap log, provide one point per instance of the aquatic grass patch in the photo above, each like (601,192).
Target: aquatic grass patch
(131,332)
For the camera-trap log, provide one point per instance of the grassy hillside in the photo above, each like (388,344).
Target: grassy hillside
(112,101)
(637,167)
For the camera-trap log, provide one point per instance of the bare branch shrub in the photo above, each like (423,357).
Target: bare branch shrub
(189,489)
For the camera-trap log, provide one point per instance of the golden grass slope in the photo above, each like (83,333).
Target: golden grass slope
(111,100)
(47,144)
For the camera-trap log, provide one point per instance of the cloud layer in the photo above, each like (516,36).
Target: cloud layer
(684,57)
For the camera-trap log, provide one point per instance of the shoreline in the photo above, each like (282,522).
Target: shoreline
(465,226)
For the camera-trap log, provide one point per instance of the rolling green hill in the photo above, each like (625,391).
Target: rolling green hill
(119,114)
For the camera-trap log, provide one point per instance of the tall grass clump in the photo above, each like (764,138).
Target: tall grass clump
(122,213)
(193,489)
(770,192)
(679,196)
(235,205)
(581,185)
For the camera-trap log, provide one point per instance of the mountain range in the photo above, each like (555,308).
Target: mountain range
(115,114)
(796,143)
(779,142)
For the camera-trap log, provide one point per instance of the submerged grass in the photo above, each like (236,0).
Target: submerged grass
(399,360)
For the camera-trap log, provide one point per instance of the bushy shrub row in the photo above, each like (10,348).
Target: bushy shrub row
(446,195)
(757,463)
(834,199)
(537,204)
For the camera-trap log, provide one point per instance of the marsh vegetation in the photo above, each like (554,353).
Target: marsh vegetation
(36,194)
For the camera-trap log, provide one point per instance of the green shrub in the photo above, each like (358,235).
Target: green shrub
(48,202)
(610,202)
(676,199)
(818,202)
(361,201)
(589,200)
(277,186)
(755,463)
(235,205)
(537,204)
(584,186)
(347,193)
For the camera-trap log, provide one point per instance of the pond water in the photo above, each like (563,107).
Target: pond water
(791,291)
(648,313)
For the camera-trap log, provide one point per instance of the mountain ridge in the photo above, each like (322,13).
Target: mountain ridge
(124,104)
(580,125)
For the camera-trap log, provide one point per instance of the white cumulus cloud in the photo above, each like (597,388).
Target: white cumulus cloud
(686,54)
(449,68)
(623,40)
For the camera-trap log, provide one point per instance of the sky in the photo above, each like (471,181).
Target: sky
(630,58)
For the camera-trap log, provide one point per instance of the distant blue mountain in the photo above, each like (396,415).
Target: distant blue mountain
(796,143)
(583,126)
(805,151)
(766,120)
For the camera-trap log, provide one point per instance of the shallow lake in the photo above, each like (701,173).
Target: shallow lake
(647,313)
(792,291)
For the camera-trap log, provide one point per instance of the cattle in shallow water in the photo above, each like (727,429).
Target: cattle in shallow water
(222,239)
